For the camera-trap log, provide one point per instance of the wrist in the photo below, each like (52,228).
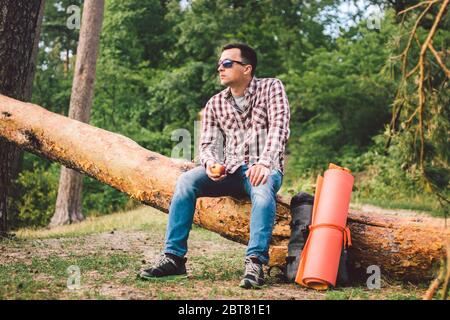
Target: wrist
(265,165)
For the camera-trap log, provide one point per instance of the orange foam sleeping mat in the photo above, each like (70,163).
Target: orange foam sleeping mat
(319,260)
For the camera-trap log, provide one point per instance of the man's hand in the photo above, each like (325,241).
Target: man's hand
(258,174)
(211,175)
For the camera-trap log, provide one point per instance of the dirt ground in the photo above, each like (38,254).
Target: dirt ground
(109,261)
(142,251)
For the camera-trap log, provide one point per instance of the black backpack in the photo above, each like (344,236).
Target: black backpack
(301,211)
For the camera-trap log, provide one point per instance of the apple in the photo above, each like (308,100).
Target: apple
(217,168)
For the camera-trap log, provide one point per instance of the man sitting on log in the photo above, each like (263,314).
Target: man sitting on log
(245,128)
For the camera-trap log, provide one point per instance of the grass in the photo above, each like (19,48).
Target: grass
(386,292)
(213,268)
(421,204)
(110,250)
(49,277)
(347,294)
(40,274)
(142,218)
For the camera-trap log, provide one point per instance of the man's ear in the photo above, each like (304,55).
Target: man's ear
(248,69)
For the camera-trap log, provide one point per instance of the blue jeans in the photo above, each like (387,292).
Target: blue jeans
(195,183)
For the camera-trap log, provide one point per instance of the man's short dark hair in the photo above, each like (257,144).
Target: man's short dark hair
(247,53)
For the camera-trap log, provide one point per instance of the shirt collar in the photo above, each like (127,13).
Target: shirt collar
(251,89)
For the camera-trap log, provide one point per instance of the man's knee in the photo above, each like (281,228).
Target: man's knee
(190,180)
(262,195)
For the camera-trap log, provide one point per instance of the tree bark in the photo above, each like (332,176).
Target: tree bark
(68,208)
(404,247)
(20,23)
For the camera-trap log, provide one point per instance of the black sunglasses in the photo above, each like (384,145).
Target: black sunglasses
(228,63)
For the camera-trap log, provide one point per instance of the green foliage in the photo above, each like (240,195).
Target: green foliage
(136,31)
(38,185)
(157,68)
(340,102)
(36,205)
(53,79)
(388,181)
(99,198)
(421,128)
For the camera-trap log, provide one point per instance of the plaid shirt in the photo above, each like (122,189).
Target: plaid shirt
(256,136)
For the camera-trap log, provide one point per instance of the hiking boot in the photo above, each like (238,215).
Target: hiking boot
(168,267)
(254,274)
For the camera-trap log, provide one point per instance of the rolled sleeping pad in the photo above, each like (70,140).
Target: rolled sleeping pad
(319,261)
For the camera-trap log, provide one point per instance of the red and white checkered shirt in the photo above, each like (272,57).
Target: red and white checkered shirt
(256,136)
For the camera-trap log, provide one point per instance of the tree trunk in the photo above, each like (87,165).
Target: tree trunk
(68,207)
(404,247)
(20,23)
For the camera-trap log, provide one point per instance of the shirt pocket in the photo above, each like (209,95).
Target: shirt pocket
(259,117)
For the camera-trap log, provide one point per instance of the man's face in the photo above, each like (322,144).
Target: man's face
(237,73)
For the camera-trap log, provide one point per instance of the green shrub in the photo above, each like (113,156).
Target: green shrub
(389,181)
(384,180)
(37,190)
(100,199)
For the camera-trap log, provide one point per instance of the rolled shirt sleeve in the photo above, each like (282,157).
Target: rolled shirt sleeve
(210,136)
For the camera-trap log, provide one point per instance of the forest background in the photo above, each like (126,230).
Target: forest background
(337,59)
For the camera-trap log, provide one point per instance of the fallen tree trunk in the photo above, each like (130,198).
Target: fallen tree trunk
(404,247)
